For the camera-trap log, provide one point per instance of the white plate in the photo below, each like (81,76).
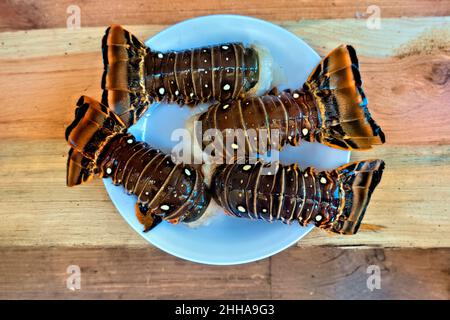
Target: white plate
(226,240)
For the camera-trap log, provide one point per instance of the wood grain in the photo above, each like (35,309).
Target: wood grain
(342,274)
(315,273)
(408,209)
(415,81)
(28,14)
(408,90)
(45,67)
(395,36)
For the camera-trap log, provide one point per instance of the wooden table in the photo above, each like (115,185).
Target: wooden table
(46,227)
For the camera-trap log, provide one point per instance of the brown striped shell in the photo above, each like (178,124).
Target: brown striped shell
(134,75)
(334,200)
(330,108)
(291,114)
(170,191)
(220,72)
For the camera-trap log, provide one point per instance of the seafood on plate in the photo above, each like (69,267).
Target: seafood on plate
(330,108)
(334,200)
(135,75)
(100,145)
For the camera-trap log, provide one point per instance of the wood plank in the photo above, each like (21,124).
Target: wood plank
(42,14)
(323,35)
(53,84)
(297,273)
(408,209)
(325,273)
(413,195)
(118,273)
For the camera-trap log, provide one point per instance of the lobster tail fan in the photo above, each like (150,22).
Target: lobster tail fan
(357,181)
(336,88)
(123,80)
(79,168)
(93,125)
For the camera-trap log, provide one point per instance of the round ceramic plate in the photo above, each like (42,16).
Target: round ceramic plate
(226,240)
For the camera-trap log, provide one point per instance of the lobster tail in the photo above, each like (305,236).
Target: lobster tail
(335,85)
(357,181)
(92,127)
(123,80)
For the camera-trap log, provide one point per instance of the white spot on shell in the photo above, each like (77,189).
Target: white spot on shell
(323,180)
(247,167)
(226,87)
(161,90)
(305,131)
(241,208)
(165,207)
(108,170)
(296,95)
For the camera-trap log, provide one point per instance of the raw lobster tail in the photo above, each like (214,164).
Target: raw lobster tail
(135,75)
(333,200)
(357,181)
(101,145)
(345,121)
(124,74)
(94,124)
(331,108)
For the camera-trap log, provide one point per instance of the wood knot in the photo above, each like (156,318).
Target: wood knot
(440,72)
